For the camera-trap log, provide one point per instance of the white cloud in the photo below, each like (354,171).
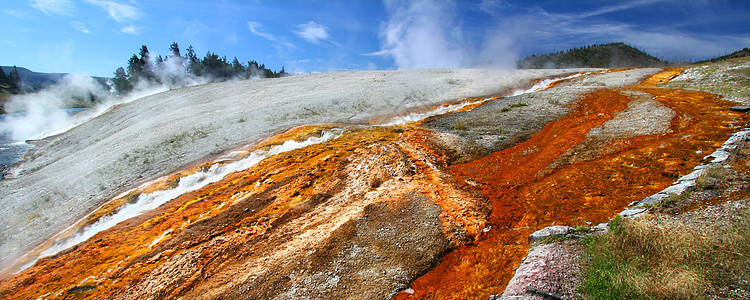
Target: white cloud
(313,32)
(492,6)
(299,61)
(378,53)
(117,11)
(666,42)
(253,26)
(255,29)
(533,29)
(618,7)
(682,46)
(16,13)
(80,27)
(54,7)
(129,30)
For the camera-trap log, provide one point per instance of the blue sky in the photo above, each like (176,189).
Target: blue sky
(94,37)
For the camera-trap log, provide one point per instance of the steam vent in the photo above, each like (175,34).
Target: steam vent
(355,185)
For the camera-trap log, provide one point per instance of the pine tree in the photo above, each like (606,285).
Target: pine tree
(15,81)
(194,65)
(147,66)
(4,80)
(135,68)
(173,69)
(175,49)
(237,68)
(121,83)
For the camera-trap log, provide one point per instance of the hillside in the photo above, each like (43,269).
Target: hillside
(736,54)
(612,55)
(35,81)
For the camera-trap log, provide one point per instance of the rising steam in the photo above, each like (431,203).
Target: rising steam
(36,115)
(427,34)
(45,113)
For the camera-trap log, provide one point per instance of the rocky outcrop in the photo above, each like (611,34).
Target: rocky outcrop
(548,271)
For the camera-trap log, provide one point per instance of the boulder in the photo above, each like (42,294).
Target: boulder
(550,231)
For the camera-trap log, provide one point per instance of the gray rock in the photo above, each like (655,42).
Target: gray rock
(632,212)
(719,156)
(741,108)
(601,228)
(550,231)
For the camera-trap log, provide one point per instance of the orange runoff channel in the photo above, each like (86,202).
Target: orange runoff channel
(526,195)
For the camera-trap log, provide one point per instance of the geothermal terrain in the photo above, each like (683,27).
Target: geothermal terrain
(416,183)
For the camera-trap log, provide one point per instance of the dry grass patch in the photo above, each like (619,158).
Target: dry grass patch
(652,258)
(714,177)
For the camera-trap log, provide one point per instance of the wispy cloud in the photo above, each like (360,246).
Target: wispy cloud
(80,27)
(535,30)
(312,32)
(384,52)
(664,43)
(625,5)
(565,30)
(119,12)
(16,13)
(54,7)
(129,30)
(256,27)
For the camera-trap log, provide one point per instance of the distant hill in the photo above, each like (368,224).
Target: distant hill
(612,55)
(35,81)
(736,54)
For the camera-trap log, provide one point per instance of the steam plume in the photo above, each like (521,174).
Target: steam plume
(44,113)
(427,34)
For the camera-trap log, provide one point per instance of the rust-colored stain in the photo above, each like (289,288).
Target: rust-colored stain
(122,255)
(224,223)
(526,196)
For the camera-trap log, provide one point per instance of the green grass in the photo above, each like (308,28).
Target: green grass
(673,199)
(712,178)
(459,126)
(512,106)
(517,105)
(642,259)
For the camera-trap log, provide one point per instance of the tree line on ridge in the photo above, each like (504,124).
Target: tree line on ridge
(176,70)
